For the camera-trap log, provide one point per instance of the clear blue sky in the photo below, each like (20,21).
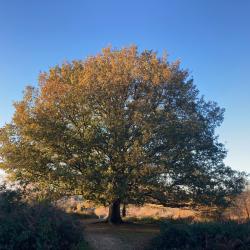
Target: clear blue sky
(211,38)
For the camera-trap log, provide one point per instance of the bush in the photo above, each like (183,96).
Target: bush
(37,226)
(183,235)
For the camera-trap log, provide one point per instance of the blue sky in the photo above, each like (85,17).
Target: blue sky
(211,38)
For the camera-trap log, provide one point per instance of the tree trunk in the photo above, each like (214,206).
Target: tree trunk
(124,210)
(114,216)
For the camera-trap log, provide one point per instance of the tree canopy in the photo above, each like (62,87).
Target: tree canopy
(121,126)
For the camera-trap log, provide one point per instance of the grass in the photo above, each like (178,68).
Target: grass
(157,220)
(167,233)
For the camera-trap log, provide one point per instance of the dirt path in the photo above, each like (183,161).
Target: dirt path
(103,236)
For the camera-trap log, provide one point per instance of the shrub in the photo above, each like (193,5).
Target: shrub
(183,235)
(37,226)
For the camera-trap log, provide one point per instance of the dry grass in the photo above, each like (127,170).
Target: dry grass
(147,211)
(150,210)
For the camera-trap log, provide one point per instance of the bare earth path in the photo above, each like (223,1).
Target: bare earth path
(128,236)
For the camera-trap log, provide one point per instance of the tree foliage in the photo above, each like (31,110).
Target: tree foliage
(121,125)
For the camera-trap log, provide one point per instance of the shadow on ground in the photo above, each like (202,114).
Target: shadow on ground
(128,236)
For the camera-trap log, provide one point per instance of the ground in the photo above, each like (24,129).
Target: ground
(128,236)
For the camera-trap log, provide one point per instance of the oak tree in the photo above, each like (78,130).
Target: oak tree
(120,127)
